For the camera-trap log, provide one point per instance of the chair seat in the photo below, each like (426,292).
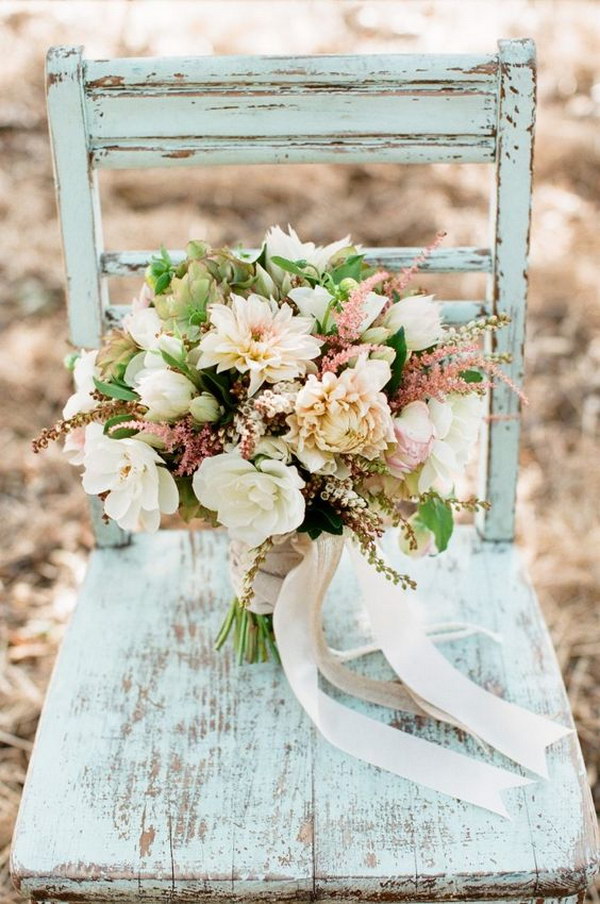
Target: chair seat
(163,771)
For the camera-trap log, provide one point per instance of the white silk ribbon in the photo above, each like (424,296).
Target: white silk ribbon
(429,680)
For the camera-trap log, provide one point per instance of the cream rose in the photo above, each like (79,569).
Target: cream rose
(253,501)
(456,422)
(342,413)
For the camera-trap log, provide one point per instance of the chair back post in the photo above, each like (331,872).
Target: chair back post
(343,109)
(507,287)
(77,195)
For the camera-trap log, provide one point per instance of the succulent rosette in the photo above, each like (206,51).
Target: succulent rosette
(296,389)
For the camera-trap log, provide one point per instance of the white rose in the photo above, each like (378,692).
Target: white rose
(166,393)
(84,372)
(253,502)
(420,317)
(144,326)
(205,408)
(130,472)
(456,425)
(274,447)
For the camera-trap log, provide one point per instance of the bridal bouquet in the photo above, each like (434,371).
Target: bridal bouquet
(298,397)
(295,390)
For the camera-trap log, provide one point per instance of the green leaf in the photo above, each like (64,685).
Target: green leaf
(436,515)
(123,433)
(217,383)
(350,269)
(290,266)
(321,518)
(300,268)
(398,343)
(162,283)
(116,391)
(181,366)
(189,507)
(471,376)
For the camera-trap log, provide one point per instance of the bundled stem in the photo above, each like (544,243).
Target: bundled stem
(253,636)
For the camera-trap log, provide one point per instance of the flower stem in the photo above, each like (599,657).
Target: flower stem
(253,637)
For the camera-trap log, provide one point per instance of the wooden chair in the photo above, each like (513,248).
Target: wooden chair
(160,770)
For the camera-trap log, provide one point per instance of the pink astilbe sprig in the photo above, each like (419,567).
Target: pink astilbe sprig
(195,445)
(397,284)
(333,360)
(429,376)
(349,319)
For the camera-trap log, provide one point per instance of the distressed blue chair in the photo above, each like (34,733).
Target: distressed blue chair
(160,771)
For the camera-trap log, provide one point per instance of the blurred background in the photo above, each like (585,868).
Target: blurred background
(44,533)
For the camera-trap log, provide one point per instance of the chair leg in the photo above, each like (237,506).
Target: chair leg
(107,533)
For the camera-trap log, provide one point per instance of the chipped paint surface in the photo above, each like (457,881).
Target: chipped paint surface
(162,769)
(508,283)
(163,773)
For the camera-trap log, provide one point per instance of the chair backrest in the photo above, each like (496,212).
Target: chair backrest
(338,109)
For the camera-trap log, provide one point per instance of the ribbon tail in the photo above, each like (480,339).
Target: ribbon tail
(517,733)
(360,736)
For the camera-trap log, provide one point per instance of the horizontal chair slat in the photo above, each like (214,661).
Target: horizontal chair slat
(328,115)
(369,70)
(454,313)
(444,260)
(153,152)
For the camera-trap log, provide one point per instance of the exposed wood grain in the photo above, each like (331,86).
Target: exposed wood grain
(138,116)
(127,154)
(162,770)
(442,260)
(508,285)
(366,72)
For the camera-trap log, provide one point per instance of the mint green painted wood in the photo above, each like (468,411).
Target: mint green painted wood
(162,771)
(367,72)
(77,195)
(508,283)
(199,151)
(444,260)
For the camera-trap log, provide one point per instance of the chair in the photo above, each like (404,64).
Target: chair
(160,770)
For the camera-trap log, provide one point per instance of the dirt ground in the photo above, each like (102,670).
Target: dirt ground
(44,533)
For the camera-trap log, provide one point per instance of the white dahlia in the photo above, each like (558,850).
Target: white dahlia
(256,336)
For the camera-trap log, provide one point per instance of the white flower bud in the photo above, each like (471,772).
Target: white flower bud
(205,408)
(166,393)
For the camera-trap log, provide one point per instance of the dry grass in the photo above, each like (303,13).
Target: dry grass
(44,535)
